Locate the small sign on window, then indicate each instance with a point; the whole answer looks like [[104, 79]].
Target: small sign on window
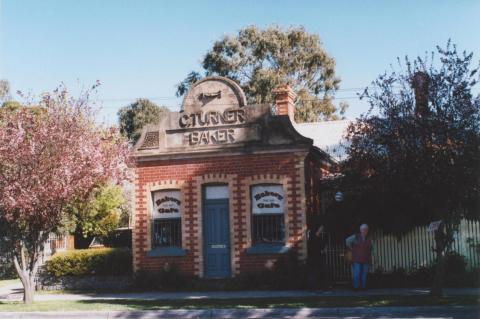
[[166, 204], [267, 199]]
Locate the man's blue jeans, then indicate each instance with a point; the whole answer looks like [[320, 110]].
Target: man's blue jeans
[[359, 275]]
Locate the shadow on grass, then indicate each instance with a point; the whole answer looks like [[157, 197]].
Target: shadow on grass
[[269, 305], [289, 302]]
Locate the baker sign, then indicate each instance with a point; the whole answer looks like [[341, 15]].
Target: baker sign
[[166, 204], [267, 199]]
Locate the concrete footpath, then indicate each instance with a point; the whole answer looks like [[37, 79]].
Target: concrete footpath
[[456, 312]]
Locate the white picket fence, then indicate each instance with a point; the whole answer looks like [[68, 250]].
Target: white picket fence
[[410, 252]]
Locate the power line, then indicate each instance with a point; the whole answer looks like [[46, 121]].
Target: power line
[[224, 104], [176, 97], [166, 98]]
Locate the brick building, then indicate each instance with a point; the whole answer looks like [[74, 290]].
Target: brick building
[[223, 187]]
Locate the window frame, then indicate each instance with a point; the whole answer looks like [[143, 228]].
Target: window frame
[[164, 250], [283, 224]]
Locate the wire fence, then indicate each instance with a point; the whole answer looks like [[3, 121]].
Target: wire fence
[[410, 252]]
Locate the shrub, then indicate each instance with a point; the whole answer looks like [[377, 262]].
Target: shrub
[[102, 262], [250, 281], [7, 269], [456, 275], [169, 278], [422, 277], [287, 273], [455, 264]]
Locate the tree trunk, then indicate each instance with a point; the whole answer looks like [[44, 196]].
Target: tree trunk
[[29, 291], [441, 240], [27, 278], [27, 271], [437, 285]]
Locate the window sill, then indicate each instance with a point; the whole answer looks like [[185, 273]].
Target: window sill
[[166, 251], [268, 250]]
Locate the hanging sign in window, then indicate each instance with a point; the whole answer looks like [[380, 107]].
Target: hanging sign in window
[[267, 199], [166, 204]]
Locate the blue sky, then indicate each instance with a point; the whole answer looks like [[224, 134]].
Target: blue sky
[[144, 48]]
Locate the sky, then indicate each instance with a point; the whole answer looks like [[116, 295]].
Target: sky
[[142, 49]]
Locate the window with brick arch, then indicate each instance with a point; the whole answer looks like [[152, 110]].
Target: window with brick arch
[[268, 216], [166, 219]]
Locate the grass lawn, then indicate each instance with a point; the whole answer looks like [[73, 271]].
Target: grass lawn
[[8, 282], [310, 302]]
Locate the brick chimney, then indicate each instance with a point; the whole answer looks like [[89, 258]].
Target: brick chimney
[[285, 101]]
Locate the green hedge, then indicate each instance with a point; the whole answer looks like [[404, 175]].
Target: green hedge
[[83, 262]]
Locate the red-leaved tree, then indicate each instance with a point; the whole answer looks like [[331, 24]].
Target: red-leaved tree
[[50, 155]]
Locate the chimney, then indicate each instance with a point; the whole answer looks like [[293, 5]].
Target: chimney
[[285, 101], [419, 83]]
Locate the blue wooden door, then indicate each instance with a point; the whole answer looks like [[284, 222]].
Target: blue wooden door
[[216, 238]]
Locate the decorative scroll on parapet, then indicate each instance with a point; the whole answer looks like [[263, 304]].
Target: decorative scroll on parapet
[[150, 141], [214, 117], [213, 94]]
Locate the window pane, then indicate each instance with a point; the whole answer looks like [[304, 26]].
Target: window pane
[[216, 192], [268, 229], [167, 233]]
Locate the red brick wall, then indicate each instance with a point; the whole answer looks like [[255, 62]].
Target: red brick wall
[[239, 168]]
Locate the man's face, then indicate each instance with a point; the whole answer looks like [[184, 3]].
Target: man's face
[[364, 231]]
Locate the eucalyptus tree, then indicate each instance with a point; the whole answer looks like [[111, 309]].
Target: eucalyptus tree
[[132, 118], [261, 59]]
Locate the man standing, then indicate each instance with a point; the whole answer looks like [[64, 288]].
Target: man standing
[[361, 246]]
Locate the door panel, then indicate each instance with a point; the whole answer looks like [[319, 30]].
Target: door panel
[[216, 237]]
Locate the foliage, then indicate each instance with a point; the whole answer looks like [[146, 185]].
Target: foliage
[[83, 262], [405, 169], [135, 116], [7, 269], [49, 159], [473, 244], [98, 216], [413, 163], [10, 106], [261, 59]]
